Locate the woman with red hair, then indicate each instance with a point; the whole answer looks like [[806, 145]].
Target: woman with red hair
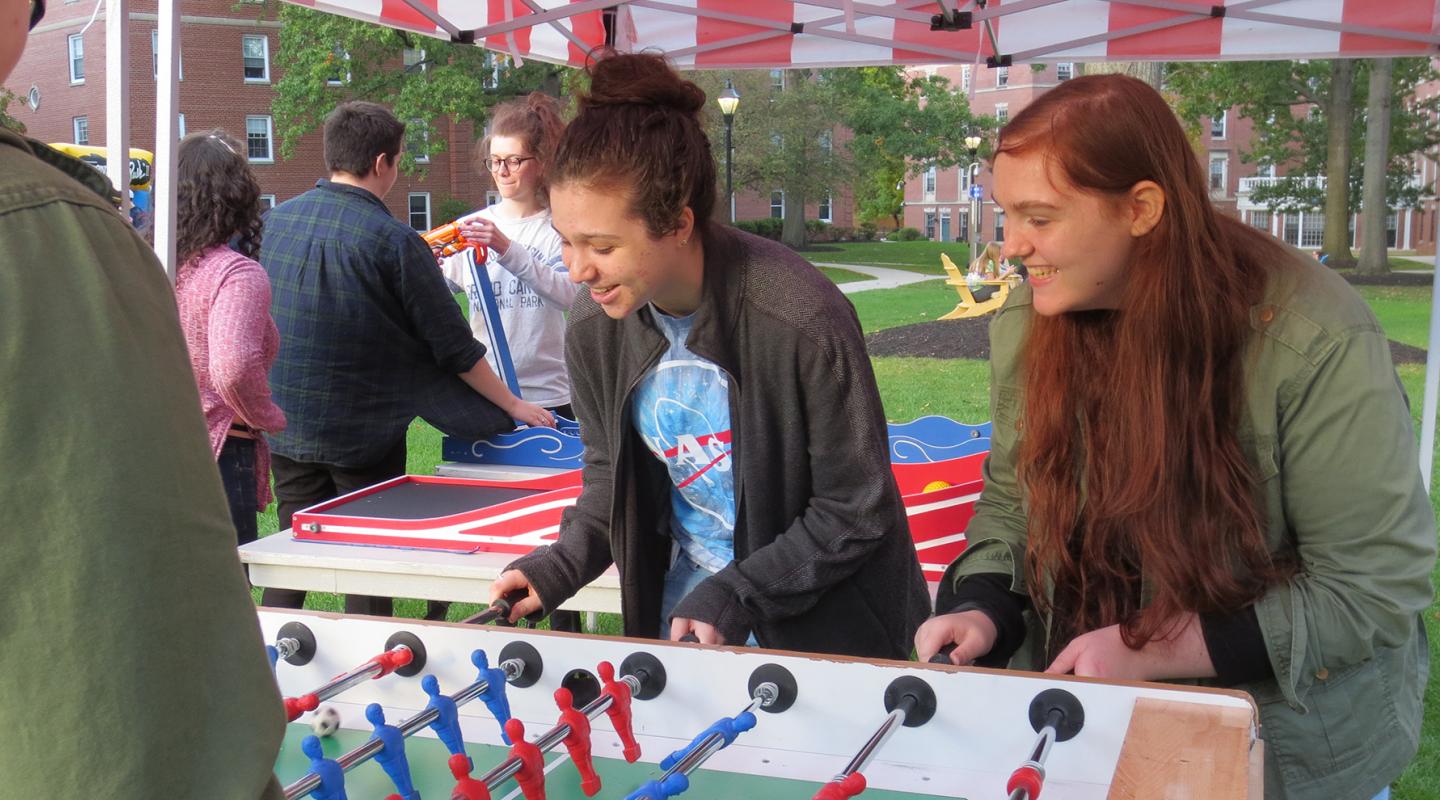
[[1203, 465]]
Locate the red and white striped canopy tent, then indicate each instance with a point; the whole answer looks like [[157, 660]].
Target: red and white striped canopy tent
[[739, 34]]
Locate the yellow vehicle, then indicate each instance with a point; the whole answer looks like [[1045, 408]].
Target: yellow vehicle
[[142, 167]]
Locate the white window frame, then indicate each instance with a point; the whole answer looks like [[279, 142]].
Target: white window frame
[[420, 61], [74, 42], [267, 202], [419, 125], [1002, 77], [269, 139], [1221, 123], [492, 197], [965, 78], [1265, 171], [825, 212], [777, 80], [1223, 159], [410, 209], [999, 227], [1065, 70], [180, 124], [827, 142], [155, 57], [76, 123], [964, 182], [264, 56], [1002, 113], [932, 178], [777, 205]]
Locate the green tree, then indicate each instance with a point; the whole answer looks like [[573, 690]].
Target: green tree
[[8, 120], [1291, 104], [326, 59]]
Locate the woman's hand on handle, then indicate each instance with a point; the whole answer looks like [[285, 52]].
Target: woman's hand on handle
[[511, 581], [972, 632]]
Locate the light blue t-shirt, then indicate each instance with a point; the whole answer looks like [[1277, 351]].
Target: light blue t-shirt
[[682, 410]]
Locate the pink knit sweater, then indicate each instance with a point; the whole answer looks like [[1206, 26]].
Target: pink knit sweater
[[224, 301]]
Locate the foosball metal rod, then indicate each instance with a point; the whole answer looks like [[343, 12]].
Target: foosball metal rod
[[354, 677], [893, 722], [765, 694], [366, 751], [1044, 741], [286, 647], [547, 741]]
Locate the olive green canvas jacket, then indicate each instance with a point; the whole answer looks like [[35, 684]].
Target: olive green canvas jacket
[[1329, 432], [131, 662]]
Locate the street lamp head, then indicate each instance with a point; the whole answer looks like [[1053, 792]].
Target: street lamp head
[[972, 143], [729, 100]]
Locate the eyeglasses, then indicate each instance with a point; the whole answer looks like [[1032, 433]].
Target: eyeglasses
[[513, 162], [37, 12]]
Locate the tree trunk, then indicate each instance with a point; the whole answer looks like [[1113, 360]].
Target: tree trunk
[[1373, 250], [1148, 71], [792, 233], [1338, 114]]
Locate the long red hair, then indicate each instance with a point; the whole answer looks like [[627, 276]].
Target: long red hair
[[1139, 408]]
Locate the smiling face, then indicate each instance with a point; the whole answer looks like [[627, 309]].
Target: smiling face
[[517, 184], [612, 252], [1076, 245]]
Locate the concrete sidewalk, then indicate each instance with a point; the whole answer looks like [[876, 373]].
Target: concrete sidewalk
[[880, 277]]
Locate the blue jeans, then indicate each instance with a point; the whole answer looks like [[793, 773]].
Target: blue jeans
[[237, 473], [683, 576]]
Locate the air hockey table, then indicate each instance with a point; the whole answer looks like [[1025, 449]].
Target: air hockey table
[[911, 730]]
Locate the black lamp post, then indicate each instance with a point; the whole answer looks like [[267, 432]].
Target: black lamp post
[[729, 100], [972, 143]]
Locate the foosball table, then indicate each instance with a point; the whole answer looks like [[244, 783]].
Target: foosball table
[[384, 708]]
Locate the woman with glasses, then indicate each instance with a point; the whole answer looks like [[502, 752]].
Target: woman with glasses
[[224, 300], [531, 285]]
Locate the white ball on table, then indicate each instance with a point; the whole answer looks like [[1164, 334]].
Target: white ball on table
[[325, 721]]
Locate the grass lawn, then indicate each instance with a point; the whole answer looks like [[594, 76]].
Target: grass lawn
[[922, 256], [914, 387], [837, 275]]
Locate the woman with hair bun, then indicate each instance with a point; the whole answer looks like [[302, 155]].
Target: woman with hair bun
[[224, 299], [736, 461], [1203, 465], [524, 268]]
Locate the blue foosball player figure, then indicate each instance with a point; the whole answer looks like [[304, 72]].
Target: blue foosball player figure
[[447, 716], [728, 728], [494, 694], [332, 777], [392, 752]]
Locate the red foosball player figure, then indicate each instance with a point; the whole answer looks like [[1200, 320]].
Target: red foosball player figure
[[847, 787], [619, 709], [578, 742], [466, 787], [531, 776]]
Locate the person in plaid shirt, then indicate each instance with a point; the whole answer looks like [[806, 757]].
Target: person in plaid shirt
[[371, 337]]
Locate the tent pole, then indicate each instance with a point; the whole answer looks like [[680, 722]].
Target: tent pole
[[167, 98], [1432, 387], [117, 98]]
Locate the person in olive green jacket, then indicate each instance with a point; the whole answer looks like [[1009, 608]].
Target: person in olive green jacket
[[1203, 465], [132, 663]]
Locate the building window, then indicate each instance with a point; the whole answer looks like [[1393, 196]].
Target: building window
[[257, 139], [1260, 219], [180, 124], [777, 79], [1391, 229], [827, 143], [77, 58], [1312, 229], [930, 176], [965, 78], [492, 197], [777, 204], [413, 60], [1065, 70], [491, 77], [417, 141], [1217, 126], [267, 202], [256, 51], [1002, 77], [999, 226], [823, 214], [1265, 171], [339, 56], [1002, 112], [1290, 229], [1219, 164], [944, 224], [420, 211], [155, 57], [82, 129], [930, 225], [964, 181]]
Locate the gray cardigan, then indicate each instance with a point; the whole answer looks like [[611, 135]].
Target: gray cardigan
[[823, 557]]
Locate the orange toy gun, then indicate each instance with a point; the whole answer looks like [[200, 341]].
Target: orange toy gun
[[448, 241]]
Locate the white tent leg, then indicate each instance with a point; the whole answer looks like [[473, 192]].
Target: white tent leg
[[1432, 386], [117, 98], [167, 98]]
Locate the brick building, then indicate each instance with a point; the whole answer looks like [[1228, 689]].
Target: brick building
[[227, 80]]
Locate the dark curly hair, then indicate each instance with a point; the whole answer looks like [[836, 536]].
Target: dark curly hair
[[639, 128], [218, 196]]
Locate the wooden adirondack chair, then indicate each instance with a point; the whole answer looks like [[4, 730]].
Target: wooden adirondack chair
[[990, 293]]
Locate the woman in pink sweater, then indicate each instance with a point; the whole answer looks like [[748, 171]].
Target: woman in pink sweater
[[224, 300]]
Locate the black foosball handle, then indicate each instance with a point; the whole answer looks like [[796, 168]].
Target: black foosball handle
[[499, 611], [943, 657]]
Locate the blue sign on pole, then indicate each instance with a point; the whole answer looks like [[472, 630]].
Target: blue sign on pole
[[976, 191]]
